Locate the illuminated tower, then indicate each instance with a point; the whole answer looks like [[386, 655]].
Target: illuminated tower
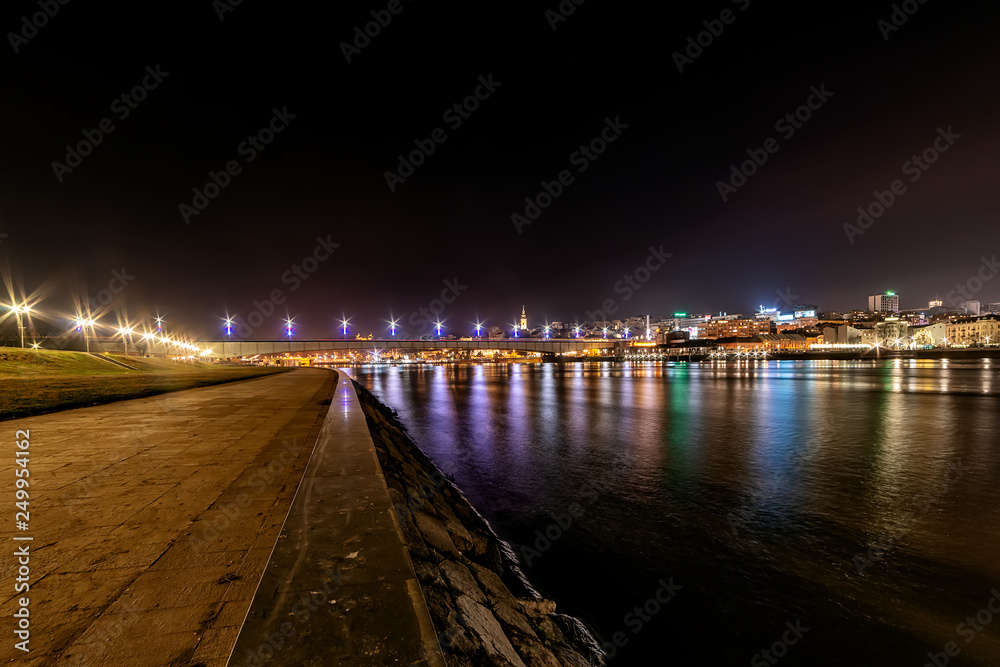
[[524, 319]]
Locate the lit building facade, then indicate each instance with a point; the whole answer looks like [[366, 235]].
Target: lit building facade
[[884, 303], [717, 328]]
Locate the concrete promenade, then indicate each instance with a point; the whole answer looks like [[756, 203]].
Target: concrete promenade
[[153, 519], [339, 588]]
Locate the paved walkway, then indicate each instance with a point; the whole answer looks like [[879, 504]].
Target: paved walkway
[[153, 519], [339, 588]]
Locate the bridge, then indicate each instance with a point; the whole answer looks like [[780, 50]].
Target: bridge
[[226, 349]]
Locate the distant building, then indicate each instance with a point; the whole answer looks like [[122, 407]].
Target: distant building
[[931, 334], [884, 303], [524, 320], [893, 332], [973, 331], [991, 309], [935, 304], [733, 328], [843, 334], [971, 307]]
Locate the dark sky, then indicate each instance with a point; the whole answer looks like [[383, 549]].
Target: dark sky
[[656, 184]]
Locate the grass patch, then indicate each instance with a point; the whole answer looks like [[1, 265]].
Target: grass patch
[[33, 383]]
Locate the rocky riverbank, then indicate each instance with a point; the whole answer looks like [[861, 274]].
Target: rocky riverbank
[[484, 610]]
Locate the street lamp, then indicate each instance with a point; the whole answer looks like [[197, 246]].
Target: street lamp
[[149, 336], [23, 309], [546, 329], [159, 324], [229, 328], [437, 326], [343, 325], [288, 329], [605, 332], [626, 332], [576, 330], [392, 326], [125, 331], [479, 329]]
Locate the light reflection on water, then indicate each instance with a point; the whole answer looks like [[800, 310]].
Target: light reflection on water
[[755, 485]]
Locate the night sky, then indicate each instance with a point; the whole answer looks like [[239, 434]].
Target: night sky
[[344, 124]]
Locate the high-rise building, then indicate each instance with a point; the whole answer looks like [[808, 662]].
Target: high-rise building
[[992, 309], [884, 303]]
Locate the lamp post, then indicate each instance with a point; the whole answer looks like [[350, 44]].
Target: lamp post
[[343, 325], [437, 326], [18, 311], [125, 331], [479, 329], [392, 327]]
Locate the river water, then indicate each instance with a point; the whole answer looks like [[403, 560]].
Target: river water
[[826, 512]]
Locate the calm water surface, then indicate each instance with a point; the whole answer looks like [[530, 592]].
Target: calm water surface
[[859, 500]]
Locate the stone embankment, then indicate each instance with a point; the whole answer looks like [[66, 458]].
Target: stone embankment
[[484, 611]]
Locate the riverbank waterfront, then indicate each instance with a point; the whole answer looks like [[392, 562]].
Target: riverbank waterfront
[[484, 611]]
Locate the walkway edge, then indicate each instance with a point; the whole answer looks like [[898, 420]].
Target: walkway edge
[[339, 586]]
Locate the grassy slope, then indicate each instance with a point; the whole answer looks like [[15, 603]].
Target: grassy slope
[[49, 381]]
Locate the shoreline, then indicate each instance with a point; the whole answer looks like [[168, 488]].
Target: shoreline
[[484, 609]]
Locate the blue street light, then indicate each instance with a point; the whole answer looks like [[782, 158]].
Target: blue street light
[[546, 330], [479, 328], [577, 330], [288, 328], [392, 326], [626, 332], [343, 325], [437, 325], [605, 332], [229, 327]]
